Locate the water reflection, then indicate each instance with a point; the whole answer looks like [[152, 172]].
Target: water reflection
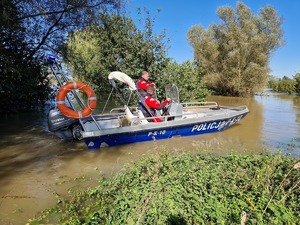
[[280, 119], [296, 103], [247, 133]]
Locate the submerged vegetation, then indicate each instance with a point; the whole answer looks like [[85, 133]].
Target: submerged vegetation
[[186, 188]]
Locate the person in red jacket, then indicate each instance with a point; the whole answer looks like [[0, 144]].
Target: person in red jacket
[[154, 104], [143, 83]]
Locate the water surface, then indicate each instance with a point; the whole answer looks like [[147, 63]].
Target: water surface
[[36, 167]]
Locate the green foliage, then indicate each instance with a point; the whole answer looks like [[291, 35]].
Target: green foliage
[[284, 85], [27, 30], [22, 85], [234, 55], [297, 84], [188, 79], [189, 189], [273, 83], [48, 22], [23, 88], [116, 44]]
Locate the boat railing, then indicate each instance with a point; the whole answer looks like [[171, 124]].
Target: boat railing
[[136, 120], [191, 110], [199, 104], [236, 108], [114, 110], [121, 109]]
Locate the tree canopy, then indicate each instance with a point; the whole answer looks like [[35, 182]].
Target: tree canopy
[[27, 30], [187, 77], [297, 84], [48, 22], [284, 84], [22, 86], [234, 55], [115, 44]]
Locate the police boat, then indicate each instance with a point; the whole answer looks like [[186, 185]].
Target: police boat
[[75, 118]]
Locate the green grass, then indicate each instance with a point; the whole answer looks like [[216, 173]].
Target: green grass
[[187, 188]]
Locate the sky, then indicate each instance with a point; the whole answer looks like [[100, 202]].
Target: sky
[[177, 17]]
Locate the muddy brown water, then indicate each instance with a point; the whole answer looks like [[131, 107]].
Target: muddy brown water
[[36, 167]]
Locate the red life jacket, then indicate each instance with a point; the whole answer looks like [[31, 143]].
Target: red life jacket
[[153, 104]]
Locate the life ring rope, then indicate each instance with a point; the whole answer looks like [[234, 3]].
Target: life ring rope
[[65, 110]]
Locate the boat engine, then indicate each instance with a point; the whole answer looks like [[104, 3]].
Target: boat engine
[[64, 127]]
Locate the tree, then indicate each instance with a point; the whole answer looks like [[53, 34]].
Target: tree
[[115, 44], [286, 85], [273, 83], [187, 77], [27, 30], [22, 85], [235, 55], [297, 84], [48, 22]]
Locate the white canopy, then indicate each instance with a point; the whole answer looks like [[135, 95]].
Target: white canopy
[[123, 78]]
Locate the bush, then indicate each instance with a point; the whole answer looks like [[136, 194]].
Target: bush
[[190, 189]]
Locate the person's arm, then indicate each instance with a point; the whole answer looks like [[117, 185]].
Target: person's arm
[[166, 102], [153, 103]]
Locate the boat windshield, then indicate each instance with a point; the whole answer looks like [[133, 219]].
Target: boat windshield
[[172, 92]]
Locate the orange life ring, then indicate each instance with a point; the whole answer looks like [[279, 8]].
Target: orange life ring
[[65, 110]]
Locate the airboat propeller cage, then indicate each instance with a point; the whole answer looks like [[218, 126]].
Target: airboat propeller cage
[[124, 78]]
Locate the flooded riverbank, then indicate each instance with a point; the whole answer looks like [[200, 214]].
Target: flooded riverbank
[[36, 167]]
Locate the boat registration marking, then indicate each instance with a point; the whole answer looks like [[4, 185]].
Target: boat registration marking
[[157, 132]]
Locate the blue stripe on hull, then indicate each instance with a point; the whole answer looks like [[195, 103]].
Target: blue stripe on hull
[[162, 133]]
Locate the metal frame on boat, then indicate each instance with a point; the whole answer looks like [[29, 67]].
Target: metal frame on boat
[[128, 124]]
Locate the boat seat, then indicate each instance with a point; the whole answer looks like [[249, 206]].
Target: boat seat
[[135, 119], [142, 117]]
